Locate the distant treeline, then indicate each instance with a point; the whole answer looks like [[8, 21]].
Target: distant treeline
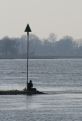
[[51, 47]]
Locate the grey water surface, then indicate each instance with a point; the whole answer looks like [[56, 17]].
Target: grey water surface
[[60, 78]]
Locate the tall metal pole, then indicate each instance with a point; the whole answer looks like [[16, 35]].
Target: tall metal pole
[[27, 30], [27, 55]]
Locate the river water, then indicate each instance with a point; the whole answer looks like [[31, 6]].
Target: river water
[[61, 79]]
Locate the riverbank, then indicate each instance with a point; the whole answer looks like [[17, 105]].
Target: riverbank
[[20, 92]]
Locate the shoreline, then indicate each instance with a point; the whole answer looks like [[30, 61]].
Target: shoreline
[[20, 92]]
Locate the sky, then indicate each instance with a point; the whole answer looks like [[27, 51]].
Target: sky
[[62, 17]]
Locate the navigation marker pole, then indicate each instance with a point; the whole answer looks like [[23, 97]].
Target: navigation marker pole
[[28, 29]]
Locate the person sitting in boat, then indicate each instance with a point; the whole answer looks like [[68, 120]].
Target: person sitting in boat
[[30, 85]]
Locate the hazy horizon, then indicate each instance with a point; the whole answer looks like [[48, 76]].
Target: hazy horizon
[[49, 16]]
